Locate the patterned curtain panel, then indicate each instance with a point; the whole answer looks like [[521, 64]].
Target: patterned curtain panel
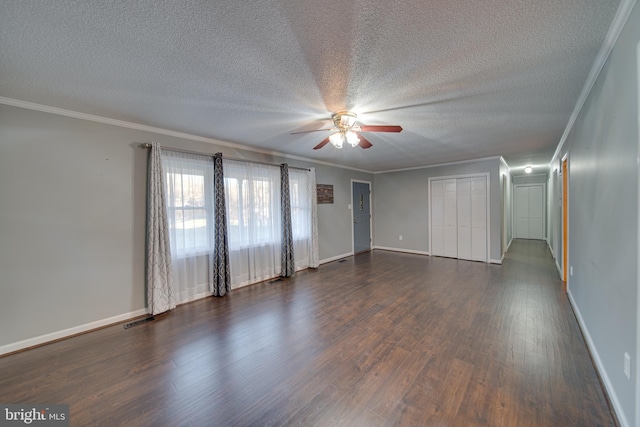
[[288, 267], [314, 253], [221, 277], [160, 290]]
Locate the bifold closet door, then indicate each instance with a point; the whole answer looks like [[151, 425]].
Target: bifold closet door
[[479, 218], [459, 218], [437, 218], [529, 211], [450, 219], [463, 193]]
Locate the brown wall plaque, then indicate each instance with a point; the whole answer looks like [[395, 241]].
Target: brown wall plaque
[[325, 193]]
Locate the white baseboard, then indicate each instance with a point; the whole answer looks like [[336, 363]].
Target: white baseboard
[[408, 251], [42, 339], [509, 245], [496, 261], [335, 258], [613, 397], [559, 268]]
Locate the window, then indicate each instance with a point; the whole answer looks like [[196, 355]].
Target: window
[[189, 185], [300, 204], [253, 204], [301, 193]]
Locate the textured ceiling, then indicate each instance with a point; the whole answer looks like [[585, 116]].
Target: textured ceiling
[[465, 79]]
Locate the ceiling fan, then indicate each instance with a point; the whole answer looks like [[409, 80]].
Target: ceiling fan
[[346, 130]]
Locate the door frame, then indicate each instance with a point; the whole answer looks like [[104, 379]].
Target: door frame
[[564, 167], [503, 240], [544, 201], [487, 175], [351, 211]]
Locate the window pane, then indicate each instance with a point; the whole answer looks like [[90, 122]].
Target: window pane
[[189, 189]]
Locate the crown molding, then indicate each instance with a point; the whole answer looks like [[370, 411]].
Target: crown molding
[[622, 15], [439, 165], [136, 126]]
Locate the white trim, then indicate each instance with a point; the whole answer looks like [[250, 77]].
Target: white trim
[[496, 261], [487, 175], [611, 392], [353, 247], [335, 258], [510, 242], [622, 14], [565, 250], [146, 128], [559, 269], [408, 251], [161, 131], [505, 163], [637, 364], [437, 165], [43, 339]]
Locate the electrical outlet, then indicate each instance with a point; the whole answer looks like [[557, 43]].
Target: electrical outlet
[[349, 207], [571, 271], [400, 237], [627, 365]]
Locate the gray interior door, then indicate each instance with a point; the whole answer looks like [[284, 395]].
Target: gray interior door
[[361, 217]]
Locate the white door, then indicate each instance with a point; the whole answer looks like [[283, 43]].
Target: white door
[[479, 218], [529, 210], [463, 193], [450, 217], [459, 218], [437, 218], [536, 212]]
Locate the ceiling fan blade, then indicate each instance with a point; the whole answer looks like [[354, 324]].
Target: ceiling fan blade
[[380, 128], [363, 142], [322, 144], [309, 131]]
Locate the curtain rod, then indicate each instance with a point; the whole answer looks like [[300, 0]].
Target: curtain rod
[[147, 145]]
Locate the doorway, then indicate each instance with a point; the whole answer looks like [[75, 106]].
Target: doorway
[[529, 211], [361, 210], [565, 218]]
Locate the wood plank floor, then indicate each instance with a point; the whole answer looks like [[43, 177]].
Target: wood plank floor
[[382, 339]]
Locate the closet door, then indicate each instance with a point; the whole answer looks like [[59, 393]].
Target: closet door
[[529, 210], [437, 218], [536, 212], [450, 219], [463, 193], [479, 218], [522, 212], [459, 218]]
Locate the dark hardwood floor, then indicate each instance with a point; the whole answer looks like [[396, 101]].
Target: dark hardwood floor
[[382, 339]]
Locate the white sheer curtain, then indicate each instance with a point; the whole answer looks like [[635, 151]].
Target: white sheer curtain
[[159, 277], [303, 217], [189, 189], [254, 223]]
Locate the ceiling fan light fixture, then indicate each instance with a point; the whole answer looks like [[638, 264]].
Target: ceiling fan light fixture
[[336, 139], [344, 120], [352, 138]]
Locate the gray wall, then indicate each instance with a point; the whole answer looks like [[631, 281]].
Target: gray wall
[[530, 179], [603, 219], [72, 219], [401, 205]]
